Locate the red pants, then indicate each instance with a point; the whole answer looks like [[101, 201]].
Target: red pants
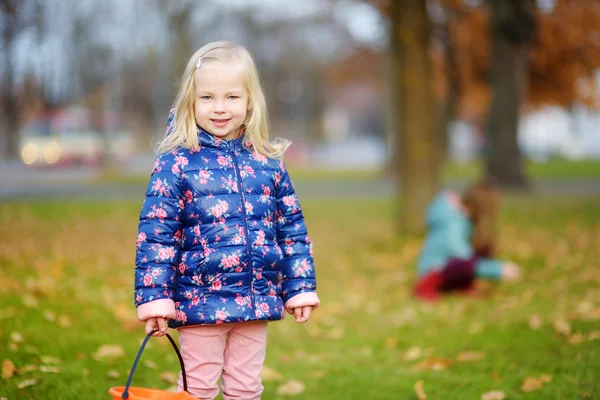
[[457, 275]]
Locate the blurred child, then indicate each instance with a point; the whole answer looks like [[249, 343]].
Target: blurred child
[[461, 243], [222, 245]]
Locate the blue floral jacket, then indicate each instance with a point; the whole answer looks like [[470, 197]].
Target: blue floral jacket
[[222, 234]]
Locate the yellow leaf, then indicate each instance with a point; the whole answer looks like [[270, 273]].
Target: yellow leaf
[[562, 327], [413, 353], [391, 343], [470, 356], [419, 390], [336, 333], [493, 395], [269, 374], [8, 369], [545, 378], [531, 384], [16, 337], [318, 374], [594, 335], [64, 321], [30, 302], [433, 364], [109, 351], [48, 368], [535, 321], [150, 364], [27, 368], [291, 388], [577, 338], [50, 360], [27, 383], [113, 374]]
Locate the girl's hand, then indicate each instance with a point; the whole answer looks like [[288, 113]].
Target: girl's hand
[[301, 305], [302, 314], [157, 324], [510, 272]]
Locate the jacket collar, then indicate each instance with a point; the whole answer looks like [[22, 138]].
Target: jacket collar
[[208, 140]]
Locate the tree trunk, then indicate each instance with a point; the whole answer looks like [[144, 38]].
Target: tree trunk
[[10, 127], [447, 108], [418, 149], [513, 27]]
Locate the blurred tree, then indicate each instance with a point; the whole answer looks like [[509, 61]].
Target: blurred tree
[[17, 17], [513, 26], [561, 64], [417, 148]]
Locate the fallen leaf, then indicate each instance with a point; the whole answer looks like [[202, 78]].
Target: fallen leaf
[[475, 328], [433, 364], [49, 316], [48, 368], [545, 378], [594, 335], [470, 356], [8, 369], [27, 383], [535, 321], [30, 301], [13, 346], [562, 327], [391, 343], [269, 374], [64, 321], [577, 338], [27, 368], [16, 337], [109, 351], [169, 377], [150, 364], [419, 390], [413, 353], [113, 374], [50, 360], [531, 384], [291, 388], [493, 395]]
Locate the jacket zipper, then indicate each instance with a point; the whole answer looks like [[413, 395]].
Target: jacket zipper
[[231, 147]]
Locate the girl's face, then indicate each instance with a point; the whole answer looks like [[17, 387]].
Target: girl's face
[[221, 101]]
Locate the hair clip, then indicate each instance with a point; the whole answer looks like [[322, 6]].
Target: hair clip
[[198, 63]]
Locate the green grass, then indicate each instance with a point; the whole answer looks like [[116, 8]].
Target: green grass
[[67, 272], [553, 169]]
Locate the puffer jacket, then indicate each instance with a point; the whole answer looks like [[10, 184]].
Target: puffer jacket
[[449, 237], [222, 235]]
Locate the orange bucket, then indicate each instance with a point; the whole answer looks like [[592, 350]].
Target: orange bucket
[[138, 393]]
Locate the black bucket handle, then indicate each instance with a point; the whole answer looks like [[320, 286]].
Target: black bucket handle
[[125, 394]]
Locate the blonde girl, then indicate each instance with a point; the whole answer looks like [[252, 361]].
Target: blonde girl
[[222, 246]]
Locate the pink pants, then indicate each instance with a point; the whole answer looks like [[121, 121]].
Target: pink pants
[[234, 351]]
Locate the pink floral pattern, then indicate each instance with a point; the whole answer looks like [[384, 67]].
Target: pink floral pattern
[[222, 234]]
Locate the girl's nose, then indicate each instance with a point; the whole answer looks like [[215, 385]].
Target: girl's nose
[[219, 106]]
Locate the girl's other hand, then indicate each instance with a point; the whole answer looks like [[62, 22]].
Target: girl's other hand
[[302, 314], [157, 324], [510, 271]]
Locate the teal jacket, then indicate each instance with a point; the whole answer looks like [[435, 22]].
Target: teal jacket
[[449, 234]]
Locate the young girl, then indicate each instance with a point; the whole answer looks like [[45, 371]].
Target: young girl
[[222, 245], [461, 243]]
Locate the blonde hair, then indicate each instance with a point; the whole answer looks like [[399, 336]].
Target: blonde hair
[[255, 126]]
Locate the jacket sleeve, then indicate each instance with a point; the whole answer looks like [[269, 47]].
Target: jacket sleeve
[[298, 264], [158, 241], [484, 268]]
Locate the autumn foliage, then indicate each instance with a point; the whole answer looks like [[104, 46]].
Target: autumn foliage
[[563, 61]]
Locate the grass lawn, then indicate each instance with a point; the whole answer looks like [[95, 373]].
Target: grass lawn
[[66, 293], [553, 169]]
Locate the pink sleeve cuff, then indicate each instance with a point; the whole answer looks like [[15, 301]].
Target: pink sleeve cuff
[[303, 299], [157, 308]]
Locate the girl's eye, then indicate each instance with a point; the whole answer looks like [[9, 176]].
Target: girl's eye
[[234, 97], [205, 97]]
